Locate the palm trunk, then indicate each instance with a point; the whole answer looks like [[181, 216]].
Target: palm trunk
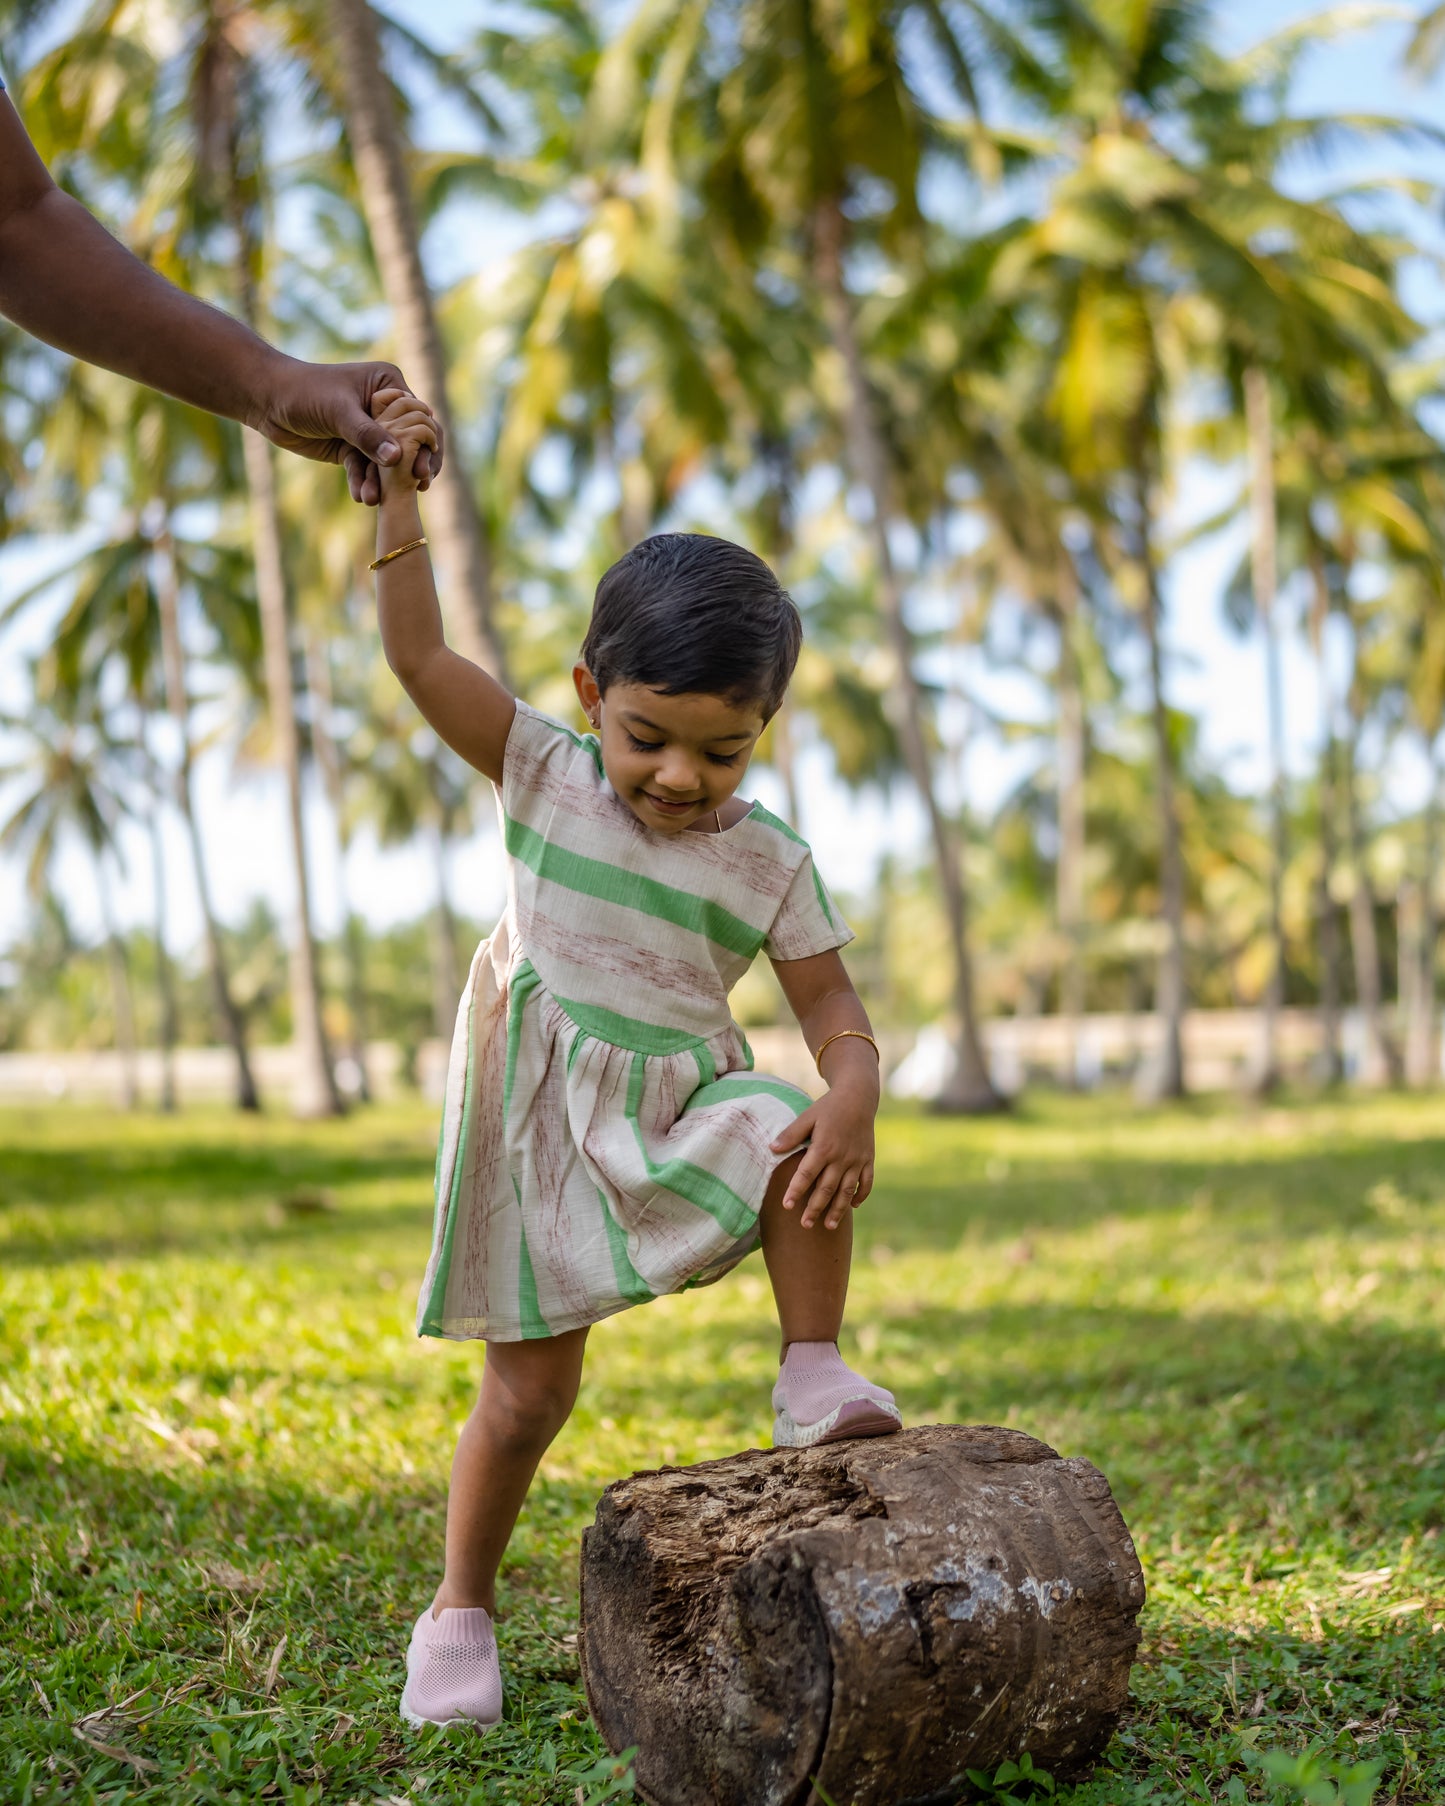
[[785, 762], [165, 977], [446, 978], [1331, 989], [1265, 568], [1069, 877], [328, 757], [315, 1086], [228, 1014], [1328, 915], [315, 1081], [1382, 1060], [971, 1088], [1169, 986], [1421, 1055], [122, 1006], [457, 530]]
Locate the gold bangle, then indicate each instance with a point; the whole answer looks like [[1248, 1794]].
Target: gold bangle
[[387, 557], [858, 1034]]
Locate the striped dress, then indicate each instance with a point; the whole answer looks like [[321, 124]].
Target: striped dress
[[605, 1138]]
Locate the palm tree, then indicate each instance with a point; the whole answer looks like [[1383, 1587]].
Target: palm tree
[[368, 102], [1168, 242], [805, 111], [218, 115], [126, 592], [72, 783], [226, 119]]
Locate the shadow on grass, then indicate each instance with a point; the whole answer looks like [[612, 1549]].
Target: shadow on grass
[[147, 1198]]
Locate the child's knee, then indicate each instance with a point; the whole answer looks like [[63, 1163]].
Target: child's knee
[[528, 1409]]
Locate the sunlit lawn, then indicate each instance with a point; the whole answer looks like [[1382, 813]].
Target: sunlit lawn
[[225, 1454]]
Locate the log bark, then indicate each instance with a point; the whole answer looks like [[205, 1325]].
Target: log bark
[[873, 1617]]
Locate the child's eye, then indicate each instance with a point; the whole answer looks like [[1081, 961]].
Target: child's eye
[[725, 758], [643, 745]]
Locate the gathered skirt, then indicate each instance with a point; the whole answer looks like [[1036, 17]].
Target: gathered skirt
[[579, 1172]]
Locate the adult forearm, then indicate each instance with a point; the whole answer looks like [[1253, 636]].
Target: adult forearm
[[67, 281]]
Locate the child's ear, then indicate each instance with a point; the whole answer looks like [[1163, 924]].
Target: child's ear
[[587, 692]]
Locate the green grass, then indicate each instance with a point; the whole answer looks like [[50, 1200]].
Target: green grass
[[223, 1454]]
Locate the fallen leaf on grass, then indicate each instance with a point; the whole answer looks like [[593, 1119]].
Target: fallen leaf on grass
[[233, 1579], [340, 1728], [273, 1667], [158, 1426], [141, 1764], [45, 1703]]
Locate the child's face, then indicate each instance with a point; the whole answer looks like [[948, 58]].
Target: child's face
[[672, 759]]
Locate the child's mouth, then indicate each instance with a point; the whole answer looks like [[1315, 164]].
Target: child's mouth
[[664, 807]]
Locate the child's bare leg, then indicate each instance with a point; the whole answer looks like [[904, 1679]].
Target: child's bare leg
[[808, 1268], [818, 1397], [528, 1390]]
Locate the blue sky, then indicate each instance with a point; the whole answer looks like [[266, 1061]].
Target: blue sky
[[1211, 673]]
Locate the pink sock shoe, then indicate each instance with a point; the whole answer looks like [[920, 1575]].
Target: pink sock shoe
[[819, 1398], [452, 1672]]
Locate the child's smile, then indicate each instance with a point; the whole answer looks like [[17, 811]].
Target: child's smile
[[672, 759]]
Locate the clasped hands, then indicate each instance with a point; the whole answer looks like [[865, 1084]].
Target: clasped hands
[[326, 412]]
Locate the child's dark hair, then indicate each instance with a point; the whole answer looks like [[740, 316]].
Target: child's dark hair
[[687, 614]]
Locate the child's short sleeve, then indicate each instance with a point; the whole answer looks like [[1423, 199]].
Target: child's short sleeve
[[542, 756], [808, 920]]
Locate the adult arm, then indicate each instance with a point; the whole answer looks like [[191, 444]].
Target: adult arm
[[67, 281]]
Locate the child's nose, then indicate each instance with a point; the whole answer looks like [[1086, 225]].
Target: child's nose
[[677, 772]]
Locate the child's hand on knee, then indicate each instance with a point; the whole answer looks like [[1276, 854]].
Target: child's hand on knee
[[835, 1175], [413, 426]]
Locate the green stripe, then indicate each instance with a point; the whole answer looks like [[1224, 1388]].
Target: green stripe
[[776, 822], [732, 1214], [625, 1031], [588, 743], [606, 883], [630, 1283], [524, 981], [431, 1322], [824, 902], [534, 1324], [706, 1066], [747, 1085], [579, 1041]]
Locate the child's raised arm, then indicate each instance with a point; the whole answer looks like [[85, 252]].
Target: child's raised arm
[[468, 709]]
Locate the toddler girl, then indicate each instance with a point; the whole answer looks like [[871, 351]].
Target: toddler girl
[[605, 1138]]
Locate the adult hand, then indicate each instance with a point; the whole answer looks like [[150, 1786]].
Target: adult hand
[[323, 411]]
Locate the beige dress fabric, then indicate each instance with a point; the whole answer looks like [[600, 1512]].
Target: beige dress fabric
[[605, 1138]]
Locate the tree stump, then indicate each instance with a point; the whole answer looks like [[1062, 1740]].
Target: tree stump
[[876, 1616]]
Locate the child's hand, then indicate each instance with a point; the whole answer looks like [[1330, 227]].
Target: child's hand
[[836, 1173], [413, 426]]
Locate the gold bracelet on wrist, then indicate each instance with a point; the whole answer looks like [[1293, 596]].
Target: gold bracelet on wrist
[[857, 1034], [386, 557]]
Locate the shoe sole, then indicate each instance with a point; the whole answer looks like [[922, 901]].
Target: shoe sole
[[854, 1418]]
